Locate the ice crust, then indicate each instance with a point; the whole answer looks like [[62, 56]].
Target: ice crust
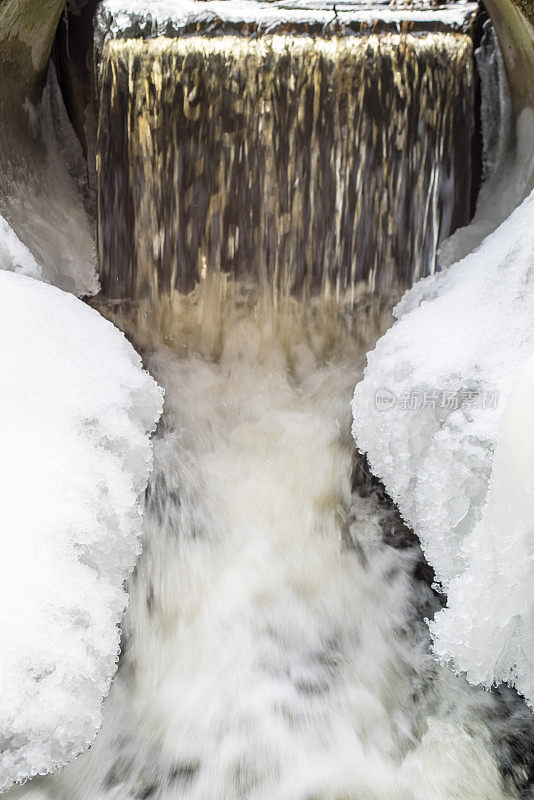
[[119, 17], [462, 336], [76, 410], [15, 256], [487, 629], [42, 206]]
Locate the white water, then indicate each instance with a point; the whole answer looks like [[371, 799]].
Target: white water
[[273, 647]]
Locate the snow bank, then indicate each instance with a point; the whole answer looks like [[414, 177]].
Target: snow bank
[[427, 414], [75, 411]]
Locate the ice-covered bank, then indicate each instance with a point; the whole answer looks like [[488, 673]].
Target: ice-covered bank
[[76, 409], [491, 606], [427, 415], [15, 256]]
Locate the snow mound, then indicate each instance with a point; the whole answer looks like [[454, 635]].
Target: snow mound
[[428, 410], [75, 459]]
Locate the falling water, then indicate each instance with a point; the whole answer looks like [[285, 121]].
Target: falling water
[[252, 194], [315, 165]]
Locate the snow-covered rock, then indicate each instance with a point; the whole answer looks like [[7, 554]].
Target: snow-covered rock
[[429, 406], [76, 409]]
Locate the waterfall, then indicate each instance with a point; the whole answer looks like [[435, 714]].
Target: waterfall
[[318, 166], [256, 200]]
